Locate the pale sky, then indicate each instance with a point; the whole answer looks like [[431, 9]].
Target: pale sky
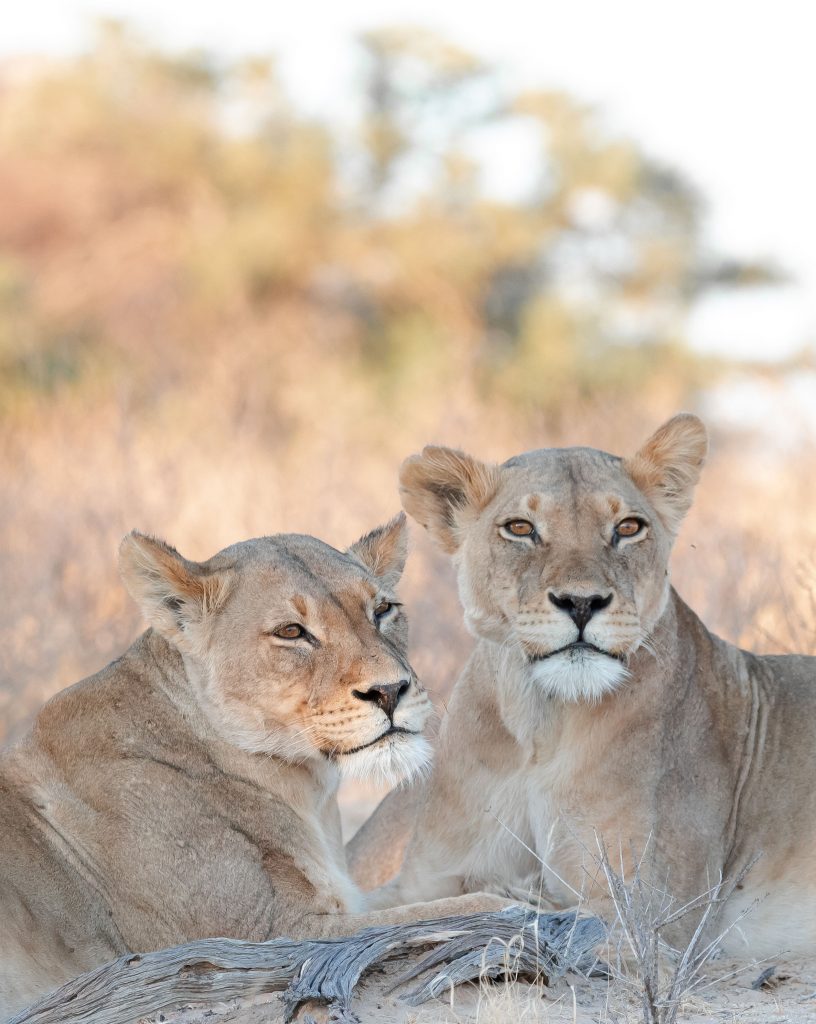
[[723, 89]]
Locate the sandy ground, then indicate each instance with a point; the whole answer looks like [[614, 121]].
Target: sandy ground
[[789, 998]]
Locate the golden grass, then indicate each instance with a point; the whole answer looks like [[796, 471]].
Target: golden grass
[[77, 479]]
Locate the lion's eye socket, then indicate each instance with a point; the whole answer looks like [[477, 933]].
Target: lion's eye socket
[[384, 609], [520, 528], [629, 527], [292, 631]]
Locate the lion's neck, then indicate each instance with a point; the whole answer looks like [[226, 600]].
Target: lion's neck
[[177, 683]]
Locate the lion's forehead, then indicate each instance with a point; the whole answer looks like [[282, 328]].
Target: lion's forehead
[[560, 462], [307, 561], [565, 479], [297, 577]]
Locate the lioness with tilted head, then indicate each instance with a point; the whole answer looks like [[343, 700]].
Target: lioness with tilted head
[[597, 703], [188, 789]]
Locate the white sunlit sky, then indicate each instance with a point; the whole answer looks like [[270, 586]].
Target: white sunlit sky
[[722, 89]]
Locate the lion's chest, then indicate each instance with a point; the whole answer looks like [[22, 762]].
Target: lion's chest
[[522, 820], [560, 812], [539, 824]]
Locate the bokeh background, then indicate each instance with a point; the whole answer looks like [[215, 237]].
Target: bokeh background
[[251, 257]]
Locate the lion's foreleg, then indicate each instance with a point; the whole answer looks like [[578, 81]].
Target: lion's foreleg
[[327, 926]]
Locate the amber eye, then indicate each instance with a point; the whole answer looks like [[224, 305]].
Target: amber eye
[[291, 631], [382, 609], [520, 528], [629, 527]]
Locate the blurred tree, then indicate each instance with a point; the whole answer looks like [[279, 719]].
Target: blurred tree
[[420, 93], [160, 208]]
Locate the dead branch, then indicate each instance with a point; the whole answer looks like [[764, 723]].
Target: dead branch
[[139, 986]]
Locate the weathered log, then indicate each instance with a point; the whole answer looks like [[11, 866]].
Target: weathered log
[[139, 986]]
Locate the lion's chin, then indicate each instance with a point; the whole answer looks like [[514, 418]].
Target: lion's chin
[[578, 674], [397, 757]]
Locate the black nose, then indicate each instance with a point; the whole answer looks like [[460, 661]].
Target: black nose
[[579, 608], [384, 695]]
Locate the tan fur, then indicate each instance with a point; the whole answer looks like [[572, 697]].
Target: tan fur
[[188, 789], [700, 757]]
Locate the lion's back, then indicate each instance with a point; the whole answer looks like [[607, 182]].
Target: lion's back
[[52, 926]]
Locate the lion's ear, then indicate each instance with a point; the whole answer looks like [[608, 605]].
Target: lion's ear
[[383, 551], [441, 488], [172, 592], [668, 466]]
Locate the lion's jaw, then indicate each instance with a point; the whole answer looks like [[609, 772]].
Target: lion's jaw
[[578, 674], [398, 756]]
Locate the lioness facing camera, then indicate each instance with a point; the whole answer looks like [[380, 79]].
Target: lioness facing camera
[[188, 789], [596, 701]]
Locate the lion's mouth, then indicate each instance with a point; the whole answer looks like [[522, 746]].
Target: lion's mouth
[[576, 646], [394, 730]]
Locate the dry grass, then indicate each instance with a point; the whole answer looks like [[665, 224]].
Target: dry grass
[[77, 480]]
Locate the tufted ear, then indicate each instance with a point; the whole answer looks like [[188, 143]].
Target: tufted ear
[[441, 487], [172, 592], [668, 466], [383, 551]]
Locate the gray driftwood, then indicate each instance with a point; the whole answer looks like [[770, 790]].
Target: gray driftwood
[[139, 986]]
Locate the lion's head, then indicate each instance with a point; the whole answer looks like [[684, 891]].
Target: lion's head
[[293, 648], [562, 554]]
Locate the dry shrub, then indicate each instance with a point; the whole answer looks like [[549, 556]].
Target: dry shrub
[[661, 978]]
